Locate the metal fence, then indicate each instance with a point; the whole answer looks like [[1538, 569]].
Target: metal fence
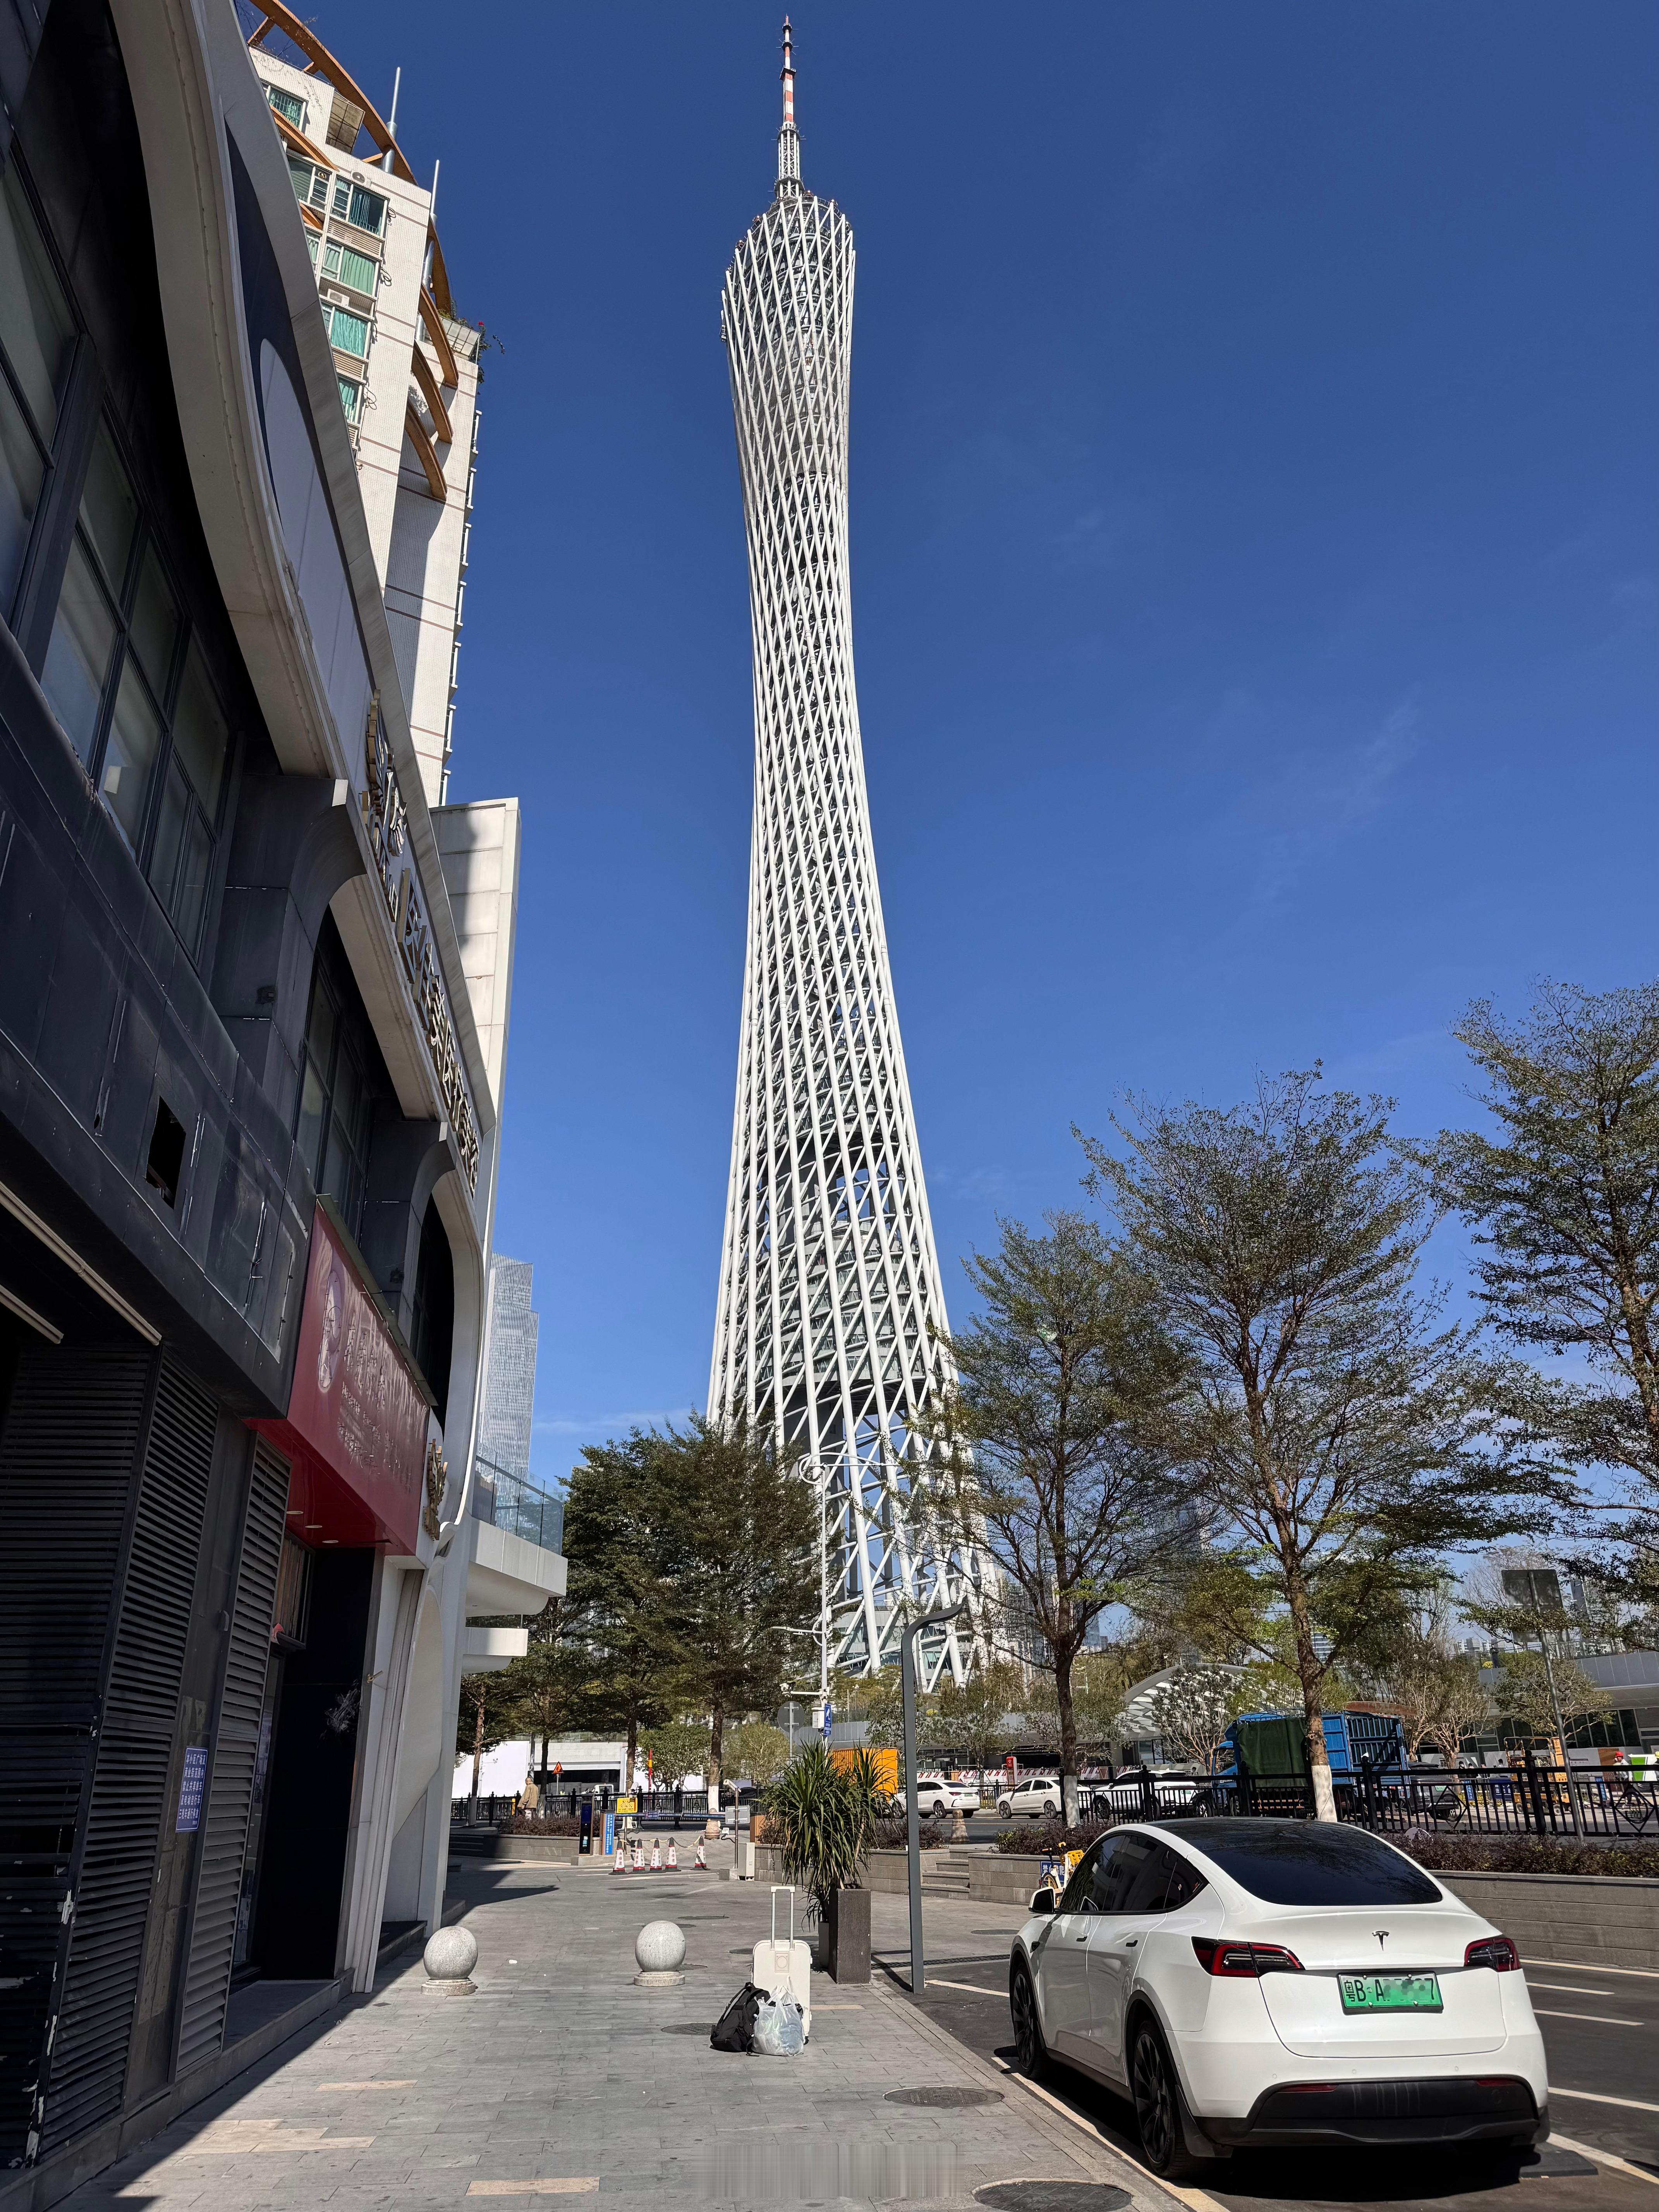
[[1528, 1797], [507, 1501]]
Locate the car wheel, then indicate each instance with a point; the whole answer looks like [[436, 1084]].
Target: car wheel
[[1004, 1810], [1160, 2108], [1031, 2051]]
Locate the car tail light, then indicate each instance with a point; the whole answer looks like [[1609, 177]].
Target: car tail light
[[1496, 1952], [1244, 1961]]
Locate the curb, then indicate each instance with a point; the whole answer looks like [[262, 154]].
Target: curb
[[1060, 2128]]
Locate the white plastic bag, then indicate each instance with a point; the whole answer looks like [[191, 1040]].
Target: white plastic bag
[[780, 2031]]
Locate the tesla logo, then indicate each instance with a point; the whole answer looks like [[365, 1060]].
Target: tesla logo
[[1382, 1936]]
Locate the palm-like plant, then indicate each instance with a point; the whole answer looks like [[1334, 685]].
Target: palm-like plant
[[823, 1818]]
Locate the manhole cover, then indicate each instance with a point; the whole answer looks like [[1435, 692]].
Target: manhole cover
[[1052, 2197], [944, 2099], [690, 2027]]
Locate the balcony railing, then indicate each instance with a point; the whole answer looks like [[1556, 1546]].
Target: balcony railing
[[507, 1501]]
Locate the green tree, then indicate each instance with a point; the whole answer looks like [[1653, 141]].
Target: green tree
[[736, 1538], [972, 1718], [484, 1718], [676, 1749], [549, 1693], [1563, 1195], [758, 1752], [1045, 1430], [1339, 1437], [618, 1607]]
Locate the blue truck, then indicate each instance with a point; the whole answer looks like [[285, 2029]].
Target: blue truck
[[1275, 1752]]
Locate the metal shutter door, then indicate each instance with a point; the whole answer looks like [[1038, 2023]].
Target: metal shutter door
[[67, 1460], [230, 1786], [107, 1940]]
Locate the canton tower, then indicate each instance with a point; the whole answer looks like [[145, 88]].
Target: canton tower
[[829, 1290]]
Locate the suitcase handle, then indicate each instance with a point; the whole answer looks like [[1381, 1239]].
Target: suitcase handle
[[781, 1889]]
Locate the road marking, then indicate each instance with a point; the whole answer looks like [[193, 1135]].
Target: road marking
[[1596, 2019], [1563, 1990], [1593, 2097], [1196, 2198], [1586, 1966], [410, 2084], [1605, 2157], [533, 2188], [938, 1982]]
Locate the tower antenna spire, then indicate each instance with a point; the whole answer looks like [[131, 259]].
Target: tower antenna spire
[[788, 137]]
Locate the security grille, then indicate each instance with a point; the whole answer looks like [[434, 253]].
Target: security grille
[[235, 1749], [93, 2027]]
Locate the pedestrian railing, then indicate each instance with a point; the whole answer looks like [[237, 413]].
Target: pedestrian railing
[[507, 1500], [1528, 1796]]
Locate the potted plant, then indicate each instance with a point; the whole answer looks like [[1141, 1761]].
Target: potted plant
[[821, 1818]]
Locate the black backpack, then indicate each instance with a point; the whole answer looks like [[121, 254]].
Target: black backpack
[[735, 2028]]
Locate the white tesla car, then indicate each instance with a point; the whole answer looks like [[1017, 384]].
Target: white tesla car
[[1278, 1982]]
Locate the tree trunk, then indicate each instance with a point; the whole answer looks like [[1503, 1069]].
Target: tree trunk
[[1067, 1735], [1311, 1676], [477, 1754], [633, 1748]]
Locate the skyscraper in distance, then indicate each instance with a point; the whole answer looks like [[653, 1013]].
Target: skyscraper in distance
[[829, 1286]]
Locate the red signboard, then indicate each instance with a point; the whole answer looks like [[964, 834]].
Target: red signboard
[[357, 1419]]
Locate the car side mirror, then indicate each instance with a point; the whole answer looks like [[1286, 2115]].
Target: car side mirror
[[1043, 1900]]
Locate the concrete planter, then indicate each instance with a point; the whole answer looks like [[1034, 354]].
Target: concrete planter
[[985, 1877], [847, 1935], [1574, 1919], [559, 1850]]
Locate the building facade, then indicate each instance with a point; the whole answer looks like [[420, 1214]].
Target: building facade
[[829, 1294], [509, 1398], [253, 1017]]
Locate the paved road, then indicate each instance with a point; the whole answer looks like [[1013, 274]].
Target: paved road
[[1607, 2043]]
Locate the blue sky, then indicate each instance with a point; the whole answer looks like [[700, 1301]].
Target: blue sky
[[1254, 568]]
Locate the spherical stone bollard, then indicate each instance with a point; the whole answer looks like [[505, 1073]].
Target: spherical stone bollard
[[659, 1947], [449, 1959]]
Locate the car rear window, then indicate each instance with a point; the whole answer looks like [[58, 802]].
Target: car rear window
[[1308, 1863]]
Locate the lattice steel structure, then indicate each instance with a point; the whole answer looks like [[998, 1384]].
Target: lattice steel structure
[[829, 1277]]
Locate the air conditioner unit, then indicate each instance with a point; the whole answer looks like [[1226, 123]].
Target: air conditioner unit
[[334, 292]]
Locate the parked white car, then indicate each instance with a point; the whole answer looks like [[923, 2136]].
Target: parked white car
[[1278, 1982], [1038, 1795], [936, 1796]]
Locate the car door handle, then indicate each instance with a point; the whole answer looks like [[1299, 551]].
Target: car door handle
[[1129, 1943]]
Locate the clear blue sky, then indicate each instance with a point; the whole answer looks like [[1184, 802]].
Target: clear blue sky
[[1255, 568]]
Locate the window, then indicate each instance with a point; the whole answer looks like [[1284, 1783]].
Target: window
[[348, 331], [338, 1082], [1311, 1862], [351, 267], [141, 712], [351, 397], [288, 105], [432, 1318], [37, 346], [363, 209], [310, 183]]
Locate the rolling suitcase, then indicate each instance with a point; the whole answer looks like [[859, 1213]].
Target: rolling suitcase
[[786, 1965]]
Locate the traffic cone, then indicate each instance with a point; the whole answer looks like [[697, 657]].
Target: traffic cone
[[656, 1856], [673, 1858], [700, 1864], [619, 1857], [639, 1857]]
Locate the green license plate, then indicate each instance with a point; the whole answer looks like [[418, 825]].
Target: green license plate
[[1390, 1993]]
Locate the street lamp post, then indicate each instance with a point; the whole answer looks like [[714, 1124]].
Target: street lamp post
[[912, 1818]]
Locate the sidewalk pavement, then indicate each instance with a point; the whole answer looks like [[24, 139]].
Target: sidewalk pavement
[[563, 2077]]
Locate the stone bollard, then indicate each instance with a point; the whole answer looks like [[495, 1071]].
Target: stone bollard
[[449, 1959], [659, 1947]]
